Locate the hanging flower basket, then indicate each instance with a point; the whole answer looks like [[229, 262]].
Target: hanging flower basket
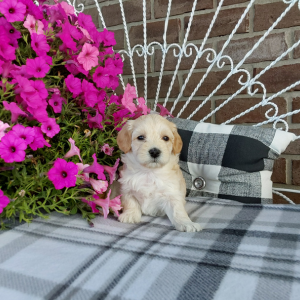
[[59, 114]]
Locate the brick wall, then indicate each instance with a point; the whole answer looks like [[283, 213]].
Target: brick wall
[[260, 17]]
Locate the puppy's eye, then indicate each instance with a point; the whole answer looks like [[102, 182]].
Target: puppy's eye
[[165, 138], [140, 137]]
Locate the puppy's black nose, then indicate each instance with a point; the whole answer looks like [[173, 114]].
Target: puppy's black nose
[[154, 152]]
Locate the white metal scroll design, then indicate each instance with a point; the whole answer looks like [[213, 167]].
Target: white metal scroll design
[[215, 60]]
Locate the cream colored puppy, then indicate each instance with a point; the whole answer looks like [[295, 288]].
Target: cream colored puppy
[[151, 180]]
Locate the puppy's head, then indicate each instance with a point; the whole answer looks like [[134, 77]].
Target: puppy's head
[[152, 139]]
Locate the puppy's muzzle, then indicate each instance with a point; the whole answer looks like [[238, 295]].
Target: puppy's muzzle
[[154, 152]]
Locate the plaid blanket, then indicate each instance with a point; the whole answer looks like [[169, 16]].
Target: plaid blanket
[[244, 252]]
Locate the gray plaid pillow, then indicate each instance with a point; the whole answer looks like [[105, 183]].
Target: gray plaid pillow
[[230, 161]]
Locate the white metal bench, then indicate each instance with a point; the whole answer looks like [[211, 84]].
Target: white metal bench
[[216, 60]]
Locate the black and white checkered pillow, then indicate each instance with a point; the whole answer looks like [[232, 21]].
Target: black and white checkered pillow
[[230, 161]]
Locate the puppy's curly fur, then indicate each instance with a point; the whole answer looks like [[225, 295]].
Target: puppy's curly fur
[[151, 180]]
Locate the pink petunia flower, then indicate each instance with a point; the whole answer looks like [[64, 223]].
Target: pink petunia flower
[[74, 85], [37, 67], [119, 116], [107, 150], [48, 59], [73, 151], [107, 38], [13, 10], [118, 62], [92, 204], [101, 77], [163, 111], [143, 106], [27, 134], [84, 176], [90, 98], [72, 30], [88, 86], [101, 95], [63, 174], [50, 127], [95, 36], [95, 122], [106, 51], [129, 95], [100, 186], [115, 204], [75, 68], [88, 57], [72, 68], [12, 148], [54, 90], [40, 88], [39, 44], [11, 32], [3, 127], [56, 103], [6, 50], [4, 200], [39, 113], [32, 92], [32, 9], [54, 14], [104, 203], [110, 66], [8, 68], [69, 10], [61, 10], [39, 141], [34, 26], [115, 99], [112, 171], [25, 89], [68, 41], [130, 92], [90, 93], [101, 105], [86, 21], [86, 36], [20, 71], [113, 82], [14, 109], [81, 166], [95, 168]]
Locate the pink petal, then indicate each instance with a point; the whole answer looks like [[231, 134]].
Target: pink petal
[[107, 150], [95, 168], [104, 203], [164, 111], [115, 204], [81, 166], [143, 106], [14, 109], [100, 186], [129, 95], [88, 57], [73, 151], [112, 171], [92, 205], [3, 127]]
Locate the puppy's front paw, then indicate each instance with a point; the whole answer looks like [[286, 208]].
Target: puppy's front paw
[[127, 217], [189, 227]]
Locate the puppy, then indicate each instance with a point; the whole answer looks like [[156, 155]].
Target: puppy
[[151, 180]]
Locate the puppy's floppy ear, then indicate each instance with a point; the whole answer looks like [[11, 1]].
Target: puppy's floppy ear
[[124, 137], [177, 145]]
